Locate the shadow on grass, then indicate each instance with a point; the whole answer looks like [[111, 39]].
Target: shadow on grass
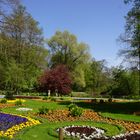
[[119, 108]]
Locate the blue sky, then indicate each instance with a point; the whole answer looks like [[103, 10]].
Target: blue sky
[[95, 22]]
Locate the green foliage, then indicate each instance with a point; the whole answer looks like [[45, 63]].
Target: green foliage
[[62, 98], [65, 49], [94, 100], [102, 101], [76, 111], [14, 77], [53, 99], [131, 36], [126, 82], [18, 103], [43, 110], [110, 100], [9, 95], [78, 78], [3, 101], [97, 77], [46, 98], [22, 55], [71, 106]]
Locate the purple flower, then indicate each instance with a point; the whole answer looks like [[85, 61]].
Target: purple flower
[[7, 121]]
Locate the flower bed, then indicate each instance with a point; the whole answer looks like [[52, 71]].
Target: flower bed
[[24, 109], [88, 115], [84, 132], [92, 133], [11, 124], [27, 97], [6, 105], [13, 101], [7, 121]]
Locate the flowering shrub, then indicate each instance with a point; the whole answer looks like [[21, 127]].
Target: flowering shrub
[[11, 124]]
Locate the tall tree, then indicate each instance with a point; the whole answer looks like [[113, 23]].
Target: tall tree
[[126, 82], [10, 5], [97, 77], [21, 42], [65, 49], [132, 33]]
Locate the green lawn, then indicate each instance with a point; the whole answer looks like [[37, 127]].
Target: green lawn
[[125, 117], [35, 105], [47, 131], [116, 110], [114, 107]]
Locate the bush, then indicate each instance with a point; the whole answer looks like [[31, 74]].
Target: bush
[[71, 106], [94, 100], [76, 111], [46, 98], [110, 100], [102, 101], [43, 110], [9, 95], [62, 98], [53, 99], [3, 101], [18, 103]]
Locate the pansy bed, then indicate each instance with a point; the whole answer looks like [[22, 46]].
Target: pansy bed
[[11, 124], [93, 133]]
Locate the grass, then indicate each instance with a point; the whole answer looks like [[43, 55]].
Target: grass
[[34, 105], [114, 107], [48, 130], [80, 94], [125, 117]]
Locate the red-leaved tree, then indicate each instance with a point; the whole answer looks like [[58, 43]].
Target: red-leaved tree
[[57, 79]]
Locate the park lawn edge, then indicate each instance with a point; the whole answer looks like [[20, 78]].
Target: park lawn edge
[[124, 117]]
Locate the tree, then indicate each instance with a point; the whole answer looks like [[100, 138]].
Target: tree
[[65, 49], [78, 76], [10, 5], [97, 77], [21, 42], [57, 80], [126, 82], [14, 77], [22, 30], [132, 33]]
